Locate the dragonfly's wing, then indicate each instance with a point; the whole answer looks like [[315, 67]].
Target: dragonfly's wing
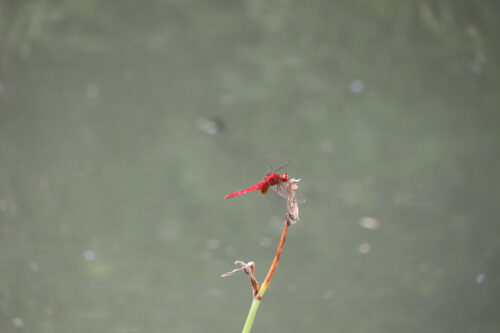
[[283, 165], [281, 191], [300, 198], [271, 170]]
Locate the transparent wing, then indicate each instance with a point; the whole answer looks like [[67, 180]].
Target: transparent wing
[[283, 165], [281, 191]]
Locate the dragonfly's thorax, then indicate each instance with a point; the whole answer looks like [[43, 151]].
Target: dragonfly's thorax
[[275, 179], [272, 179]]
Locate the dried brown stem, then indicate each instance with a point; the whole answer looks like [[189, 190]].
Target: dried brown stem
[[292, 216], [249, 269]]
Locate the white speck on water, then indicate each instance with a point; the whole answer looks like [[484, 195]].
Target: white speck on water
[[211, 127], [369, 223], [364, 248], [480, 278], [356, 86], [34, 266], [17, 322], [89, 255]]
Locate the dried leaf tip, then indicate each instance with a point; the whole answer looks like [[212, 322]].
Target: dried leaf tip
[[292, 214], [245, 267], [249, 269]]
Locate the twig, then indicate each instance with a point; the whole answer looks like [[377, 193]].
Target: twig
[[292, 216], [249, 269]]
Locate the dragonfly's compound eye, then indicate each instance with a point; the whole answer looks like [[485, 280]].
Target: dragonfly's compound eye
[[284, 177]]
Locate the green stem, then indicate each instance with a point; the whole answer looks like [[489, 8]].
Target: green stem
[[251, 316]]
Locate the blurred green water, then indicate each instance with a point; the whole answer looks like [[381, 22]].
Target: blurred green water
[[111, 178]]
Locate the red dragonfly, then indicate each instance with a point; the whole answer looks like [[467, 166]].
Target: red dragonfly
[[271, 179]]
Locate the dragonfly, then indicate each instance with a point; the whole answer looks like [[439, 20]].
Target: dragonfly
[[271, 179]]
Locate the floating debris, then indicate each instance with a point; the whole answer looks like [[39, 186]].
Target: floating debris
[[356, 86], [17, 322], [89, 255], [210, 126], [364, 248], [34, 266], [369, 223]]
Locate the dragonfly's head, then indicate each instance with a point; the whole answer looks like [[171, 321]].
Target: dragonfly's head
[[284, 177]]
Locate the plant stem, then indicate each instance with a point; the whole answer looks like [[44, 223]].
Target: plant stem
[[256, 300], [275, 263], [292, 216], [251, 316]]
